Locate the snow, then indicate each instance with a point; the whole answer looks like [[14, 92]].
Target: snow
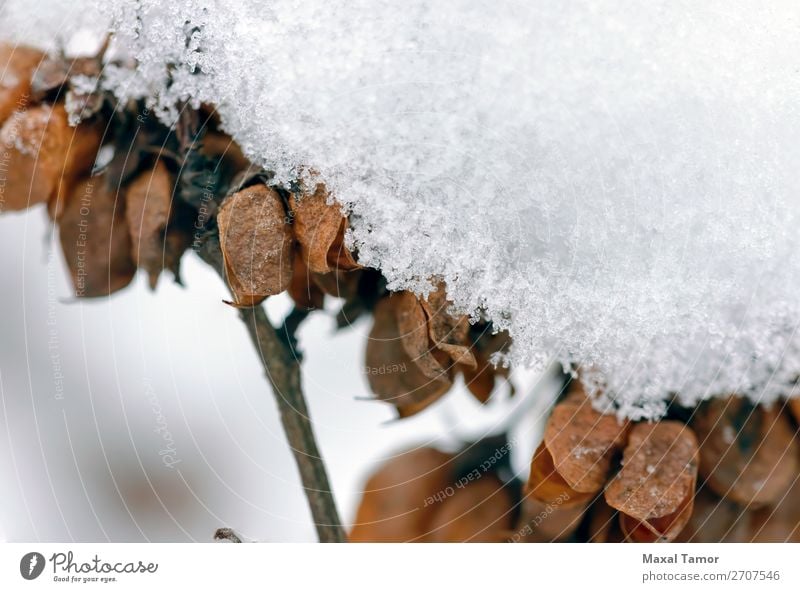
[[616, 186]]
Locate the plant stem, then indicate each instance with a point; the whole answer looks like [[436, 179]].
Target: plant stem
[[283, 371]]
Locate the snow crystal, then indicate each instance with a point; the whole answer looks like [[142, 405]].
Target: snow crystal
[[615, 185]]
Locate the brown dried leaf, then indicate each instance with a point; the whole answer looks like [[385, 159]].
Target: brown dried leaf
[[339, 283], [582, 442], [396, 505], [45, 156], [95, 240], [654, 490], [148, 208], [448, 332], [748, 452], [391, 373], [319, 228], [17, 65], [479, 512], [256, 244]]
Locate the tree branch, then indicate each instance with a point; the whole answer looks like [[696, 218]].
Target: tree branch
[[282, 368]]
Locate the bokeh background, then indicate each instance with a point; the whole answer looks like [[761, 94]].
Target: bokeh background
[[146, 416]]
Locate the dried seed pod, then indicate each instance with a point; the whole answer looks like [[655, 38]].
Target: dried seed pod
[[305, 292], [45, 156], [95, 240], [392, 374], [339, 283], [481, 378], [794, 408], [778, 523], [571, 465], [320, 227], [603, 524], [748, 453], [413, 326], [546, 522], [148, 209], [401, 497], [479, 512], [716, 520], [256, 244], [447, 332], [654, 490], [582, 442], [17, 65]]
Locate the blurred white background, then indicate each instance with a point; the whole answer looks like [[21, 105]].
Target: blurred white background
[[146, 416]]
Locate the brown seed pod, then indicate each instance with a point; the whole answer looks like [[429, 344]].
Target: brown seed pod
[[45, 157], [479, 512], [17, 65], [748, 453], [546, 522], [398, 504], [413, 327], [780, 522], [582, 442], [447, 332], [148, 209], [794, 408], [256, 244], [319, 228], [654, 490], [95, 240], [603, 523], [716, 520], [305, 292], [481, 378], [391, 372]]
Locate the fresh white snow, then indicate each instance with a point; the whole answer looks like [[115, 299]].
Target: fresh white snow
[[615, 183]]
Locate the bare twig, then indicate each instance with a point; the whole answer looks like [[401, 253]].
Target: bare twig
[[283, 371]]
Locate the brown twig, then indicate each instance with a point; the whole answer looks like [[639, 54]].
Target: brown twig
[[283, 371]]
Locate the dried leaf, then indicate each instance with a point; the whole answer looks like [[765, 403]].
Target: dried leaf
[[448, 333], [392, 374], [748, 452], [256, 244], [148, 208], [95, 240], [582, 442], [17, 64], [45, 157], [319, 228], [654, 490], [479, 512], [397, 504]]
